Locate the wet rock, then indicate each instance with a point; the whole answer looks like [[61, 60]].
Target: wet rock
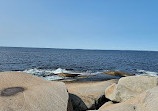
[[90, 78], [118, 73], [68, 75], [11, 91]]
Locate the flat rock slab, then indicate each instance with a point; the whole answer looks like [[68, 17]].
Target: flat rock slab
[[90, 78], [88, 95], [118, 73], [24, 92]]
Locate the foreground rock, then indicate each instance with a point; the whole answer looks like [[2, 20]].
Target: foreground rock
[[88, 95], [23, 92], [130, 87], [147, 101], [118, 73], [106, 105]]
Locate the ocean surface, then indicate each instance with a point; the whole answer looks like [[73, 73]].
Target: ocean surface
[[47, 62]]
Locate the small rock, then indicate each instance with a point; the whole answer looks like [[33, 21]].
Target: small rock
[[68, 75], [126, 107], [118, 73]]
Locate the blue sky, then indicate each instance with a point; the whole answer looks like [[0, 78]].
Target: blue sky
[[80, 24]]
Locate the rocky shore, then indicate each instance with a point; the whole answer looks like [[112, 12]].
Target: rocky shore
[[24, 92]]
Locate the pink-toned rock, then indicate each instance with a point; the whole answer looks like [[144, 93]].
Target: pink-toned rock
[[88, 95], [146, 101], [106, 105], [130, 87], [24, 92]]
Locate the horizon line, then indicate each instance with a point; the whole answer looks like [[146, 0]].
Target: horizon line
[[79, 48]]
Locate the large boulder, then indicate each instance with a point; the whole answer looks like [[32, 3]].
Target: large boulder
[[146, 101], [117, 73], [129, 87], [88, 95], [24, 92]]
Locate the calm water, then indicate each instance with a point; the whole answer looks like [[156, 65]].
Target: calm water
[[45, 61]]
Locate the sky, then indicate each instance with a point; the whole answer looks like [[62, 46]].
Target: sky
[[80, 24]]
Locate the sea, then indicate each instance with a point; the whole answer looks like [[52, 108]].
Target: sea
[[48, 62]]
